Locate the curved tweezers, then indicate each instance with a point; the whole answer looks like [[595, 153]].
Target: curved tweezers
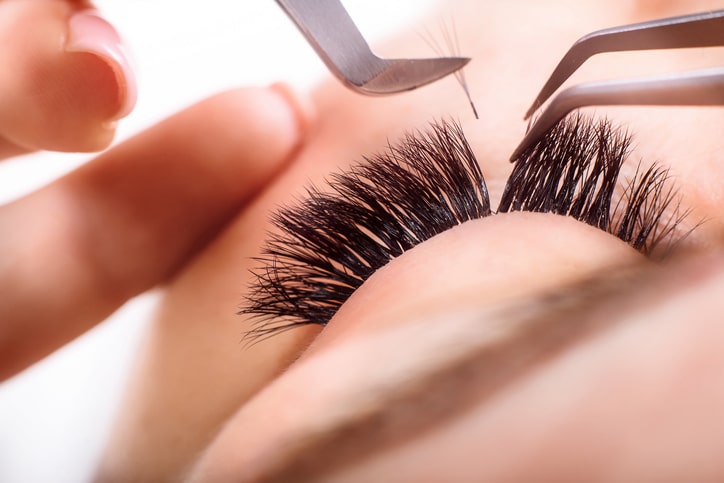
[[699, 88], [692, 88], [334, 36]]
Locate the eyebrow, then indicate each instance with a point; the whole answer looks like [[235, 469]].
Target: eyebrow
[[537, 330]]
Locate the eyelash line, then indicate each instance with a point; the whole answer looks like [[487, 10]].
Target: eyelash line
[[330, 243], [327, 245], [574, 170]]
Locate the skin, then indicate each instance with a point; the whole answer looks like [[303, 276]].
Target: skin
[[199, 403], [45, 99]]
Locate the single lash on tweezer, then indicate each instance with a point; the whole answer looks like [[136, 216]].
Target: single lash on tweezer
[[338, 42], [698, 88]]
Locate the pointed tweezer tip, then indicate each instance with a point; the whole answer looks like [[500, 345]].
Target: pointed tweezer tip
[[531, 110], [518, 152], [399, 75], [531, 137], [448, 65]]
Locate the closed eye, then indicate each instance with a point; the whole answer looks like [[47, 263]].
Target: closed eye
[[333, 240]]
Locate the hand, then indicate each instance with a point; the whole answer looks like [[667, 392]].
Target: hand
[[77, 249]]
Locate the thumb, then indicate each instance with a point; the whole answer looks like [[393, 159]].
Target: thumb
[[65, 78]]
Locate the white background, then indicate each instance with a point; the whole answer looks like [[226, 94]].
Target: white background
[[55, 416]]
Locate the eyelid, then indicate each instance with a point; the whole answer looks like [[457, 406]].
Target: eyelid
[[329, 244], [530, 253], [477, 351]]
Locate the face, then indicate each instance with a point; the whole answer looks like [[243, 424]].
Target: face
[[511, 346]]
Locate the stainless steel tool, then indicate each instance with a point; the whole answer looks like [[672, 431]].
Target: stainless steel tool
[[699, 88], [337, 40]]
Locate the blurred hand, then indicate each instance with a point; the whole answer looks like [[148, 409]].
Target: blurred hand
[[77, 249]]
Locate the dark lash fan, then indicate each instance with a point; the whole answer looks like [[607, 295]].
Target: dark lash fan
[[332, 242], [574, 169]]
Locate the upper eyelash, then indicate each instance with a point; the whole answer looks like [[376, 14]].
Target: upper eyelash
[[574, 169], [331, 242]]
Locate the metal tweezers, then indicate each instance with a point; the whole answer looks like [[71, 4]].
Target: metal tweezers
[[334, 36], [697, 88]]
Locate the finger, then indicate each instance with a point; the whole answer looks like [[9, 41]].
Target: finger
[[64, 82], [77, 249]]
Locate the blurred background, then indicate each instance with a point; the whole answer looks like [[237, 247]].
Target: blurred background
[[54, 417]]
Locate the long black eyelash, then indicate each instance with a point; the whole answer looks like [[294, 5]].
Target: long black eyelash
[[574, 169], [330, 243]]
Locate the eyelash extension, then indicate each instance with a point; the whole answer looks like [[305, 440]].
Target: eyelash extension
[[327, 245], [330, 243], [574, 170], [450, 37]]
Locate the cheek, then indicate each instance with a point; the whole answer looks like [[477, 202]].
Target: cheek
[[499, 258]]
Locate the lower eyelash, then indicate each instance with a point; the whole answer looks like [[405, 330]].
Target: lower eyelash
[[331, 242]]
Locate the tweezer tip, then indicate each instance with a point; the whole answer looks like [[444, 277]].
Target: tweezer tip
[[449, 65], [401, 75], [526, 143], [531, 110], [517, 153]]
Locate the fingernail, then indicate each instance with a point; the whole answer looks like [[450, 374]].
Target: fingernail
[[89, 32]]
